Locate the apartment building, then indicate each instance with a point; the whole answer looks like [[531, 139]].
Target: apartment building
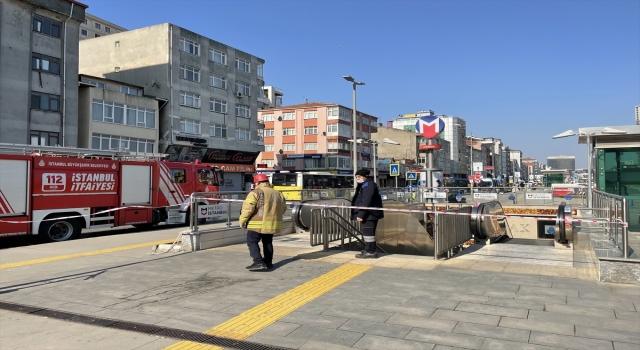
[[95, 27], [516, 160], [213, 91], [315, 136], [562, 162], [115, 116], [39, 71]]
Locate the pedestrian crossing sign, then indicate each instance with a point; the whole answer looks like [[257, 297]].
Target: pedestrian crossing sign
[[411, 176], [394, 169]]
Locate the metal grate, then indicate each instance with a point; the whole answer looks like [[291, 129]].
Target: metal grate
[[139, 328]]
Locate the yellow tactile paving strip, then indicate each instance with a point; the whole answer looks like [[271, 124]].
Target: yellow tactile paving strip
[[252, 321], [80, 255], [189, 345]]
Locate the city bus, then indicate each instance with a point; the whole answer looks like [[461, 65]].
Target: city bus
[[321, 185], [459, 183]]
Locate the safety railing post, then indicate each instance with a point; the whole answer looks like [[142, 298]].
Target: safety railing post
[[229, 214], [191, 216], [194, 213], [625, 229], [325, 233]]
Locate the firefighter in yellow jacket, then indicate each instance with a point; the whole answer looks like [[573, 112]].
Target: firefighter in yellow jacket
[[261, 215]]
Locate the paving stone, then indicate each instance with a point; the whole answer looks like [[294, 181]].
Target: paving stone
[[545, 299], [435, 303], [422, 322], [569, 342], [382, 329], [580, 310], [276, 340], [375, 342], [304, 318], [608, 334], [358, 313], [549, 291], [445, 347], [499, 344], [624, 346], [582, 320], [627, 315], [517, 303], [492, 310], [316, 345], [470, 317], [325, 335], [445, 338], [315, 307], [533, 325], [280, 328], [407, 310], [518, 335], [602, 304]]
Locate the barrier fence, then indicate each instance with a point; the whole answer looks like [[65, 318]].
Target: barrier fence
[[615, 210]]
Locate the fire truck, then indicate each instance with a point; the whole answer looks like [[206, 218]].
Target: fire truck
[[55, 192]]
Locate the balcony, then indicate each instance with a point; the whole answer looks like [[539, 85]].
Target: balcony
[[264, 100]]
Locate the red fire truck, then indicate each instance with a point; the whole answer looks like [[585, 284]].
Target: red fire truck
[[55, 192]]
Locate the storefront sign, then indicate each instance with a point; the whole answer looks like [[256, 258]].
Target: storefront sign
[[427, 147], [226, 156]]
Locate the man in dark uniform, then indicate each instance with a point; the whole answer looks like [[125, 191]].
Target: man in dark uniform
[[367, 195]]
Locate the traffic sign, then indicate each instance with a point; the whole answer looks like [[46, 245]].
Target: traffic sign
[[477, 181], [512, 197], [411, 176], [394, 169], [459, 196], [470, 178], [478, 176], [568, 197], [429, 126]]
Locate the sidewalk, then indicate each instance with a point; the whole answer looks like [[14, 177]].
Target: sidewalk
[[490, 297]]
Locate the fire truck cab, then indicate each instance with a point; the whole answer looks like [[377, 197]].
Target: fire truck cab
[[56, 192]]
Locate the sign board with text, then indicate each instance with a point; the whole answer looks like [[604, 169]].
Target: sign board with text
[[485, 196], [539, 195], [428, 195], [213, 211]]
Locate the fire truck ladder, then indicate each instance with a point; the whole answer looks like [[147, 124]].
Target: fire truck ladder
[[53, 151]]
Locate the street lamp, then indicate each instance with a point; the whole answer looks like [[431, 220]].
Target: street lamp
[[605, 130], [355, 135]]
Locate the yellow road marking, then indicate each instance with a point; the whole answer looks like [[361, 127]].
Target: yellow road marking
[[254, 320], [189, 345], [79, 255]]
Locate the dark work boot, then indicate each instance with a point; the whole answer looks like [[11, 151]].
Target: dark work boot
[[366, 255], [257, 266]]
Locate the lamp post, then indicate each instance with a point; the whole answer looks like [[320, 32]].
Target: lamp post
[[588, 134], [355, 136]]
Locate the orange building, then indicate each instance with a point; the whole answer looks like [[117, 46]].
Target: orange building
[[314, 136]]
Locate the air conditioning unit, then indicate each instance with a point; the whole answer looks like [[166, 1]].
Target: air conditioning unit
[[239, 94]]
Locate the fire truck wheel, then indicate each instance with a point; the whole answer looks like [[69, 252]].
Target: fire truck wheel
[[60, 230]]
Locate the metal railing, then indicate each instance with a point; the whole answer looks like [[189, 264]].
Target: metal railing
[[616, 210], [451, 231]]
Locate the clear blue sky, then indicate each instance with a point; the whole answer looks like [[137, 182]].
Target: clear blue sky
[[521, 71]]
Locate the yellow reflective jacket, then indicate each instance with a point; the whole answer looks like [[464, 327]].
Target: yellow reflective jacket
[[263, 209]]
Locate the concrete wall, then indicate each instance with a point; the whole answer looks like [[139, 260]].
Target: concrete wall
[[17, 42]]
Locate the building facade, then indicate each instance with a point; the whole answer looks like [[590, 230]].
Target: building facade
[[114, 120], [562, 162], [213, 92], [39, 71], [516, 161], [314, 136], [95, 27]]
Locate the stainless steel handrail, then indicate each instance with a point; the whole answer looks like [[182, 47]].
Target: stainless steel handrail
[[618, 217]]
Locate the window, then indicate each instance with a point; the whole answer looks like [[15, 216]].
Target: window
[[269, 148], [44, 138], [339, 162], [311, 115], [216, 130], [107, 29], [289, 147], [45, 63], [269, 132], [243, 88], [243, 134], [178, 176], [311, 130], [374, 122], [345, 114], [116, 113], [243, 111], [129, 90], [289, 163], [243, 65], [312, 163], [85, 22], [268, 162], [288, 116], [332, 129], [84, 32], [189, 73], [98, 26], [45, 102], [337, 146], [218, 56], [332, 112], [218, 106], [112, 142], [96, 84], [259, 70], [288, 131], [218, 81], [267, 117], [189, 126], [46, 26], [190, 100], [189, 46], [309, 146]]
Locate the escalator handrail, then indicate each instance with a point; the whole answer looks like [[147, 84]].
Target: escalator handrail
[[351, 230]]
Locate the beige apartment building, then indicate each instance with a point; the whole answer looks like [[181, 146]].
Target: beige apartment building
[[314, 136], [95, 27], [116, 116]]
